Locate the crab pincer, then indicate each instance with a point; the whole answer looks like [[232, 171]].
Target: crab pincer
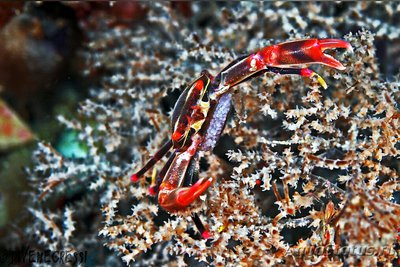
[[173, 199], [303, 52], [285, 58]]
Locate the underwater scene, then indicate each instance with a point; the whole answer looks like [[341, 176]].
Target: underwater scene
[[205, 133]]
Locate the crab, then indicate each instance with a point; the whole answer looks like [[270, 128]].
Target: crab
[[201, 111]]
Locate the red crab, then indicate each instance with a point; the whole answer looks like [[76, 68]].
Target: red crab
[[200, 113]]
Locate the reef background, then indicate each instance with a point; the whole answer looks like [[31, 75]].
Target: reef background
[[327, 160]]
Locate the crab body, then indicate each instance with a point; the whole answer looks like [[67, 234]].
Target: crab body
[[191, 110], [200, 113]]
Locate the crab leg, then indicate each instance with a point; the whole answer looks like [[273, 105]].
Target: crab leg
[[200, 226], [153, 160], [294, 55], [173, 196], [305, 72]]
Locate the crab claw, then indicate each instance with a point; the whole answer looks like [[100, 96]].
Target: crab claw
[[303, 52], [328, 60], [173, 199]]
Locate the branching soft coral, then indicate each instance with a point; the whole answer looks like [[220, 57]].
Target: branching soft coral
[[306, 167]]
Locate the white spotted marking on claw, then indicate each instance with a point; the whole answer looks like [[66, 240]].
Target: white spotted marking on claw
[[253, 65]]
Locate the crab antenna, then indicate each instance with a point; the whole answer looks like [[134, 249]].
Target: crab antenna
[[153, 160]]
